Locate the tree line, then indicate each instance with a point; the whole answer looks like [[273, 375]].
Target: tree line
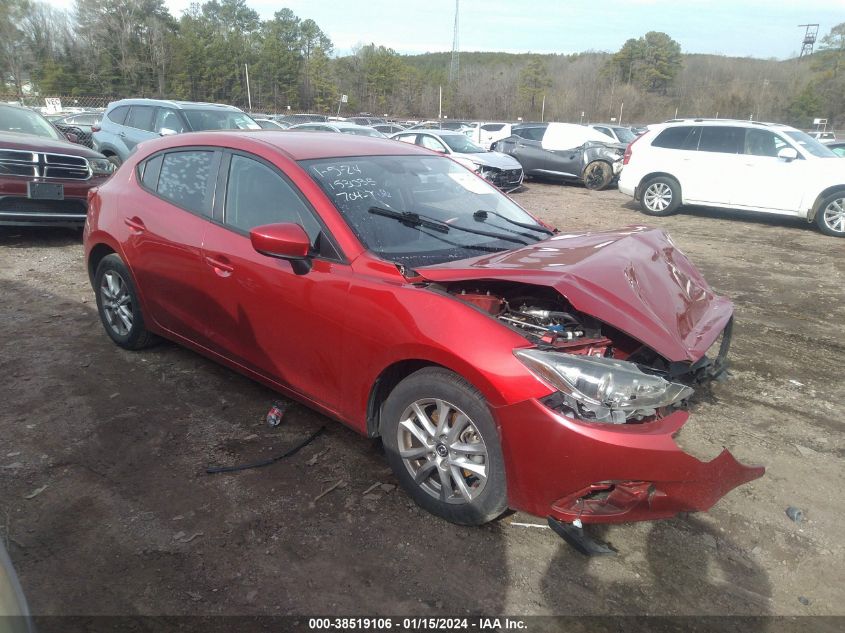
[[122, 48]]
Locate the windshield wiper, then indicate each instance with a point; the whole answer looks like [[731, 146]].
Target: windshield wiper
[[409, 218], [481, 215]]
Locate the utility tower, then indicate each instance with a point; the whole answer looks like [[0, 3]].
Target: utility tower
[[810, 32], [456, 61]]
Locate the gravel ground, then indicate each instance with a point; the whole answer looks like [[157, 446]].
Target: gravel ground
[[106, 509]]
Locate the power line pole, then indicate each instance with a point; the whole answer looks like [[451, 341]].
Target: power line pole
[[810, 33], [456, 62]]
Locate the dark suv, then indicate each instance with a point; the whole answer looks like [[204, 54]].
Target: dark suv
[[44, 179]]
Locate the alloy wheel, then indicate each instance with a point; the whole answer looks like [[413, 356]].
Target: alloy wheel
[[834, 215], [443, 451], [657, 197], [116, 303]]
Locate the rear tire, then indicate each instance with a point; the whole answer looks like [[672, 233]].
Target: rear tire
[[118, 305], [442, 444], [598, 175], [831, 216], [661, 196]]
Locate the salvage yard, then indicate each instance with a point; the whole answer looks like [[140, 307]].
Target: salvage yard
[[106, 508]]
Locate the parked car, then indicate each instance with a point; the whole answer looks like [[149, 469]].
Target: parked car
[[388, 128], [503, 171], [44, 178], [458, 126], [746, 165], [131, 121], [485, 134], [823, 137], [270, 124], [502, 364], [14, 611], [565, 151], [295, 119], [618, 133], [369, 121], [837, 147], [79, 124], [343, 127]]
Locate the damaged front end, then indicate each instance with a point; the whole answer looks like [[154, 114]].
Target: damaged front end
[[601, 447]]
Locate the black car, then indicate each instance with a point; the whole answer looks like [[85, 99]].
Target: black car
[[564, 151], [80, 124]]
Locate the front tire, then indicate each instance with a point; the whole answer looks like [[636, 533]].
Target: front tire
[[831, 216], [443, 446], [597, 175], [118, 305], [661, 196]]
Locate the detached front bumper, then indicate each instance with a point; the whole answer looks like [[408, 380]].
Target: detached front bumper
[[601, 473]]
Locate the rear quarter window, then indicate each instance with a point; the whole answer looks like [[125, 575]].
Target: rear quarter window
[[681, 137], [187, 180], [118, 115]]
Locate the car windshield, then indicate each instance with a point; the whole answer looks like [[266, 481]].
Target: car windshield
[[362, 131], [445, 207], [219, 120], [810, 144], [624, 134], [461, 144], [27, 122]]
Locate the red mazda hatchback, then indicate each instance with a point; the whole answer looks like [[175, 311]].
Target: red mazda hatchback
[[503, 363]]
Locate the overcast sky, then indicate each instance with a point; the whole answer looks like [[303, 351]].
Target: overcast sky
[[758, 28]]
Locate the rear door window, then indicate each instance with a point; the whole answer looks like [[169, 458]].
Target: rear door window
[[187, 179], [429, 142], [140, 117], [118, 115], [531, 133], [722, 139]]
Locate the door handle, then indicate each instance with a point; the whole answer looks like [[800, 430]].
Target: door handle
[[122, 134], [220, 265], [135, 224]]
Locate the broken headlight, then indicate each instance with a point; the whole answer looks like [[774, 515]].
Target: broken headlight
[[601, 389]]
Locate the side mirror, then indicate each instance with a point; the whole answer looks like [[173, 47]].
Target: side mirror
[[283, 241], [166, 131], [788, 154]]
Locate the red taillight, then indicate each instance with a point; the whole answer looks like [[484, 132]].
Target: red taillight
[[626, 157], [95, 128]]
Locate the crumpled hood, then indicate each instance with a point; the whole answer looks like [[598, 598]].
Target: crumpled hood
[[633, 279], [491, 159]]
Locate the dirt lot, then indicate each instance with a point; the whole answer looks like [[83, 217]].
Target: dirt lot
[[127, 522]]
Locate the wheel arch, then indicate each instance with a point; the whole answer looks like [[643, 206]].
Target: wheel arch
[[817, 205], [98, 253], [657, 174], [395, 373]]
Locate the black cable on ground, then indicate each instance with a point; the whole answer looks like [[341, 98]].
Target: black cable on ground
[[213, 470]]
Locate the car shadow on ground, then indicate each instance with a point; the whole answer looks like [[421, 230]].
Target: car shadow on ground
[[687, 568], [736, 215], [29, 236]]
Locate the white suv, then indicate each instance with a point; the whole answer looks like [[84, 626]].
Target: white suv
[[738, 164]]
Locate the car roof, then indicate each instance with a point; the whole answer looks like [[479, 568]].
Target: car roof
[[436, 132], [297, 145], [178, 105], [723, 122]]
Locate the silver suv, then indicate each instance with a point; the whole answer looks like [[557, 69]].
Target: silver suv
[[130, 121]]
